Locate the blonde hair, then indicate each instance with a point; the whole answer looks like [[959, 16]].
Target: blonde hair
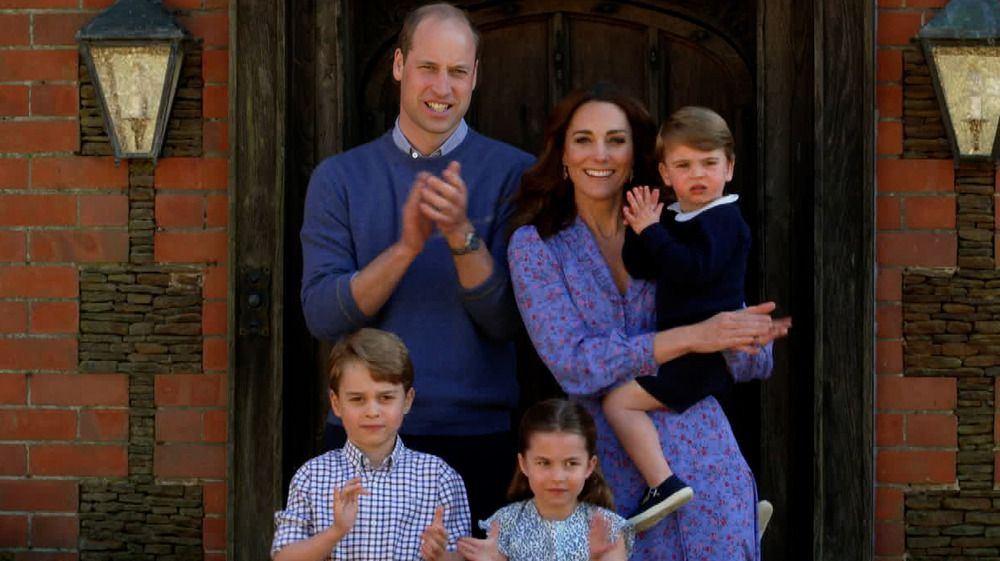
[[561, 415], [697, 127], [382, 353]]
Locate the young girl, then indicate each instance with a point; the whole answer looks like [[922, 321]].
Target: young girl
[[562, 507]]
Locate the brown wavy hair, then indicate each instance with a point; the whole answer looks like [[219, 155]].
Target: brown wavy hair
[[561, 415], [545, 199], [384, 355]]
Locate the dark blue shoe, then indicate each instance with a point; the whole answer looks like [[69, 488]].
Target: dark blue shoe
[[660, 501]]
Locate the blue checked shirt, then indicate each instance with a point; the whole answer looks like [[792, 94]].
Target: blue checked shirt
[[405, 491]]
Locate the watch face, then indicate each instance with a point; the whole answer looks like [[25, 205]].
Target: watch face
[[471, 241]]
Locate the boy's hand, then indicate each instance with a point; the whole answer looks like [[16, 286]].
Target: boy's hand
[[345, 504], [643, 208], [434, 538], [483, 550]]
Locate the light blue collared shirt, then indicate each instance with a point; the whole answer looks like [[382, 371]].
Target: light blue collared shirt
[[456, 138]]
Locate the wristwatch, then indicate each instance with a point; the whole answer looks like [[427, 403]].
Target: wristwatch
[[471, 244]]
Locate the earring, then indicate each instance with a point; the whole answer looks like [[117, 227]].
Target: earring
[[565, 172], [631, 175]]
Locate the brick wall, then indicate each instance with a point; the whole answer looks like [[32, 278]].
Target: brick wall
[[100, 419], [937, 344]]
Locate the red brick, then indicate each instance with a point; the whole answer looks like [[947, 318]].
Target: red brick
[[39, 495], [890, 101], [79, 389], [897, 28], [216, 282], [13, 317], [213, 28], [37, 424], [214, 498], [54, 317], [88, 460], [39, 136], [890, 139], [890, 538], [13, 530], [996, 466], [192, 173], [184, 4], [215, 355], [889, 65], [76, 172], [215, 66], [104, 424], [178, 211], [13, 246], [213, 318], [215, 555], [911, 176], [926, 3], [79, 246], [215, 102], [214, 534], [896, 393], [15, 29], [186, 461], [13, 99], [190, 247], [889, 357], [37, 210], [215, 137], [888, 429], [13, 459], [214, 426], [178, 425], [890, 3], [917, 249], [915, 466], [13, 173], [888, 213], [931, 431], [37, 353], [55, 101], [217, 211], [38, 4], [60, 28], [13, 389], [56, 532], [889, 320], [889, 286], [191, 390], [888, 503], [932, 213], [216, 4], [38, 65], [42, 555], [97, 4], [19, 281], [103, 210]]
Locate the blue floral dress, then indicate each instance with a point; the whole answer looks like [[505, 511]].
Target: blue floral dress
[[593, 339], [526, 536]]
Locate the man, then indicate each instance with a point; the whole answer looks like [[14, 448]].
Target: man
[[408, 234]]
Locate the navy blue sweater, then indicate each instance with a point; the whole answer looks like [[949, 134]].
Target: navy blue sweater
[[460, 340]]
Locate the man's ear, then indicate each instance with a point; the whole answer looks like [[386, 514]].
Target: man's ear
[[408, 400], [335, 404], [475, 75], [397, 65]]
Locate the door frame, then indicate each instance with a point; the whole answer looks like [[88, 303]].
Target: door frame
[[815, 173]]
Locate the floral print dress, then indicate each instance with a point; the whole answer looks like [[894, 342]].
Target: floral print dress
[[593, 339]]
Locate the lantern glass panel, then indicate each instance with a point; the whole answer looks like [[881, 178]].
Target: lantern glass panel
[[970, 82], [132, 79]]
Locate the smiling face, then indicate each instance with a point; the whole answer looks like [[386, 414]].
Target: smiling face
[[436, 81], [598, 153], [556, 465], [371, 411], [697, 177]]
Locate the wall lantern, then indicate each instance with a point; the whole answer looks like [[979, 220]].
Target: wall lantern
[[962, 50], [134, 52]]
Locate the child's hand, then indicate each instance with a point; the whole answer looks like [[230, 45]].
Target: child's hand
[[345, 504], [600, 548], [434, 538], [483, 550], [643, 208]]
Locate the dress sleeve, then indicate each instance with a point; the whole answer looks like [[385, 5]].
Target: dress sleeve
[[744, 367], [505, 518], [451, 494], [584, 359]]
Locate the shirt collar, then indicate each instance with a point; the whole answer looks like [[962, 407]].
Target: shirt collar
[[685, 216], [360, 462], [456, 138]]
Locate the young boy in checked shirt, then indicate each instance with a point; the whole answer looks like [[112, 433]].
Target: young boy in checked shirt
[[373, 499]]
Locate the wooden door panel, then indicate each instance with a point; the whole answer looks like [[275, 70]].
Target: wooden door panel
[[609, 50]]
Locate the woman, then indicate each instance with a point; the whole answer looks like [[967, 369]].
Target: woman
[[593, 325]]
